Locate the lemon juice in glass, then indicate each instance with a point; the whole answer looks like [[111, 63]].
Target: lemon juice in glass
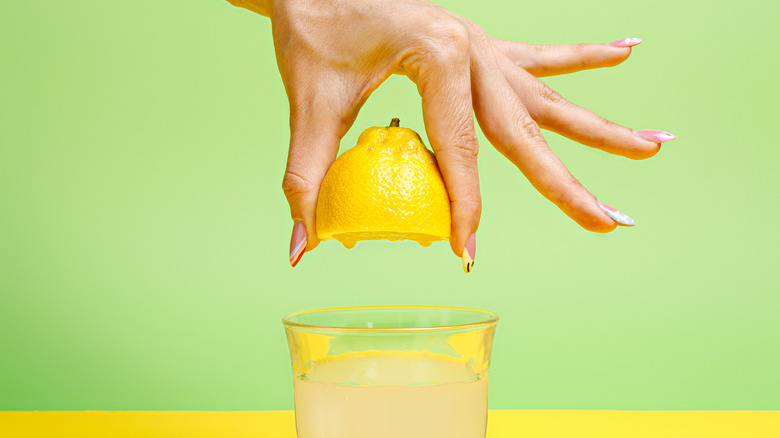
[[391, 372]]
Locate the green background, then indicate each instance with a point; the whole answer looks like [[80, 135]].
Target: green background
[[144, 233]]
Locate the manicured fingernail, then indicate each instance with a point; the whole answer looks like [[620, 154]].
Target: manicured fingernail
[[625, 42], [297, 243], [468, 253], [655, 135], [617, 215]]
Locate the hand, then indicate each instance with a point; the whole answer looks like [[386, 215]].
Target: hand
[[332, 54]]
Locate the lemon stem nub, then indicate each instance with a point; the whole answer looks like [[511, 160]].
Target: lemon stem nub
[[396, 122]]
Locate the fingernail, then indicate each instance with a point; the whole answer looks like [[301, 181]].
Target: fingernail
[[468, 253], [297, 243], [625, 42], [617, 215], [655, 135]]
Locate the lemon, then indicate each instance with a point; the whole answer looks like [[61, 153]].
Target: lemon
[[388, 186]]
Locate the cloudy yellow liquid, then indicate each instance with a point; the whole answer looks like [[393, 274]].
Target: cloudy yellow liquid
[[388, 396]]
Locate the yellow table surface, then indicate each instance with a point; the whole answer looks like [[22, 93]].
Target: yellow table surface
[[501, 424]]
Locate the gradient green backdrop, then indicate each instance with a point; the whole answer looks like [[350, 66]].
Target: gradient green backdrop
[[144, 233]]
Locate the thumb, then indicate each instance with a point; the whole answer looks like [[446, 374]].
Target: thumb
[[314, 143]]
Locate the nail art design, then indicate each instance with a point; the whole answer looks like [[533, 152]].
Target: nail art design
[[655, 135], [617, 215], [468, 253], [625, 42], [297, 243]]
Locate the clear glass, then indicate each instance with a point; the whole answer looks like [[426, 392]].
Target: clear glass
[[391, 372]]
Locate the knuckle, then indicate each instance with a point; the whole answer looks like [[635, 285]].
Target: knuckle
[[446, 41], [463, 145], [476, 31], [294, 184], [548, 100], [462, 156], [451, 33], [549, 103], [526, 126], [552, 97], [538, 57], [514, 135], [541, 50]]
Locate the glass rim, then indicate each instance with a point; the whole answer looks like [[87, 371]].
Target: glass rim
[[492, 318]]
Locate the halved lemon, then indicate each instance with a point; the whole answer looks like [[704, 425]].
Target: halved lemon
[[388, 186]]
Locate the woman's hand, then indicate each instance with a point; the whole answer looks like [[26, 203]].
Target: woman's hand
[[332, 54]]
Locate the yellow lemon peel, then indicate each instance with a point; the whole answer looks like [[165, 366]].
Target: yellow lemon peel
[[388, 186]]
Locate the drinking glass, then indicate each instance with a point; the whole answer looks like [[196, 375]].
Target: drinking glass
[[391, 371]]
